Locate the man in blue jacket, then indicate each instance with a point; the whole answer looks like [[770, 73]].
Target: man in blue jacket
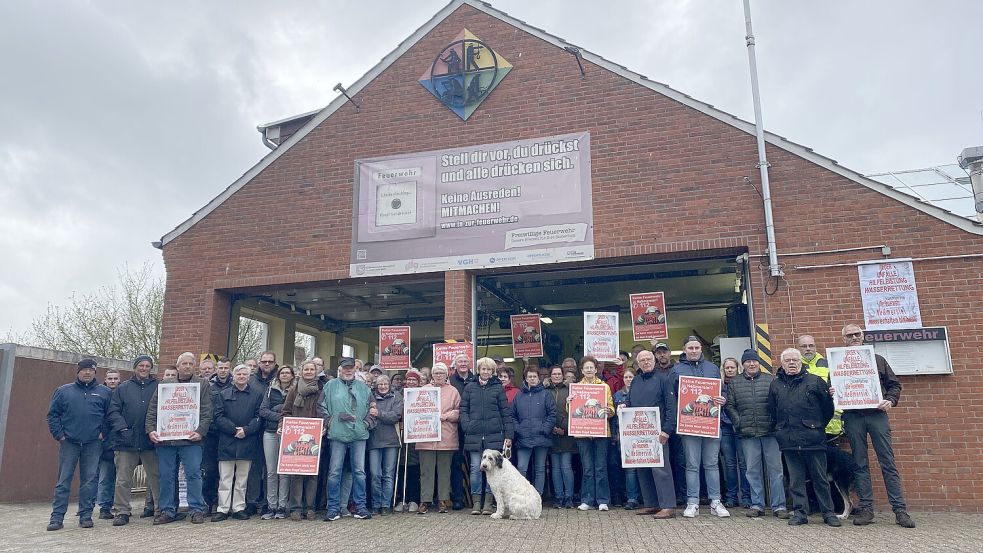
[[651, 389], [77, 420]]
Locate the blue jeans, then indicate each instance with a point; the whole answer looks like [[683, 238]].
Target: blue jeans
[[632, 490], [167, 460], [523, 454], [107, 484], [735, 469], [356, 454], [86, 456], [561, 467], [706, 451], [594, 460], [476, 474], [382, 465], [756, 449]]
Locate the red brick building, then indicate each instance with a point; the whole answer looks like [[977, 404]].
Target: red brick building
[[672, 210]]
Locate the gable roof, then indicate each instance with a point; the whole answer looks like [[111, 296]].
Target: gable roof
[[707, 109]]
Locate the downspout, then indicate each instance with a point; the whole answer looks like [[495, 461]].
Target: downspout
[[971, 160], [773, 267]]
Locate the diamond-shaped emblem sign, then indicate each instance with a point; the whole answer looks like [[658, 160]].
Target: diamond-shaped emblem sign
[[464, 73]]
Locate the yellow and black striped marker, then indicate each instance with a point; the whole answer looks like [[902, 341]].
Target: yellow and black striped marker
[[762, 344]]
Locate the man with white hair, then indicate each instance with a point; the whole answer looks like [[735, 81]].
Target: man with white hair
[[800, 406], [188, 451], [860, 423]]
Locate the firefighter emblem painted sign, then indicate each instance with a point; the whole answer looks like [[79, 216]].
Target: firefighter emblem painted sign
[[464, 73]]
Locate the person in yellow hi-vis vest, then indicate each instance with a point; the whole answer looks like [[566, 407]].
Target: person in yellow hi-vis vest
[[814, 363]]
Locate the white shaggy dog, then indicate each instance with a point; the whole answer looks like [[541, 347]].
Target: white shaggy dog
[[515, 497]]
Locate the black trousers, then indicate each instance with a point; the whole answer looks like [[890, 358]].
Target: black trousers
[[803, 466]]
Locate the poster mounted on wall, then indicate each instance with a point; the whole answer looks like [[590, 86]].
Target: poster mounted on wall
[[889, 296]]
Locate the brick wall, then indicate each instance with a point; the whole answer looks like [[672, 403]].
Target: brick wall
[[654, 160]]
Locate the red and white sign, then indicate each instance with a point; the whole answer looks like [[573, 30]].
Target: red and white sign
[[853, 376], [421, 415], [300, 446], [585, 418], [697, 414], [446, 353], [177, 410], [527, 335], [601, 340], [394, 347], [889, 296], [648, 316], [639, 429]]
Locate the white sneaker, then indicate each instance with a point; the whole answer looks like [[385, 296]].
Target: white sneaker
[[411, 508], [399, 507], [584, 507], [692, 509], [717, 508], [602, 507]]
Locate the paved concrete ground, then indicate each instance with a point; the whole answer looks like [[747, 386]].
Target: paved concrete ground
[[23, 529]]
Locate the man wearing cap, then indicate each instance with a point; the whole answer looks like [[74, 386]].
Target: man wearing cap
[[747, 407], [77, 421], [127, 417], [860, 423], [346, 408], [699, 451], [187, 451]]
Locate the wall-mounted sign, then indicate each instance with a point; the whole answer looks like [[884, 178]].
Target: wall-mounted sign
[[525, 202], [464, 73], [887, 290], [913, 350]]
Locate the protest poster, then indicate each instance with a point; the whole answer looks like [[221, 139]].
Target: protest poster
[[648, 316], [421, 415], [697, 414], [446, 352], [394, 347], [639, 429], [527, 335], [177, 410], [889, 296], [300, 446], [601, 336], [584, 414], [853, 376]]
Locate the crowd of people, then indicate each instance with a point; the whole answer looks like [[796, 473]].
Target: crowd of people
[[778, 432]]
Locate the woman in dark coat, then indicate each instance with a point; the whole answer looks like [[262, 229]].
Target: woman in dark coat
[[487, 423], [534, 415], [564, 446], [383, 444]]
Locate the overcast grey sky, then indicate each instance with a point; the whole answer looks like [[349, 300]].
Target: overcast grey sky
[[119, 119]]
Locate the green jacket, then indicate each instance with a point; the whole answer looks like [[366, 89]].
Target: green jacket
[[350, 398]]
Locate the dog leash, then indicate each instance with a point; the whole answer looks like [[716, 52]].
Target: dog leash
[[507, 452]]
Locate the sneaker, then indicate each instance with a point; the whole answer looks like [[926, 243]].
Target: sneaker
[[121, 520], [568, 504], [180, 516], [295, 515], [219, 516], [441, 506], [903, 519], [280, 514], [164, 518], [584, 507], [831, 520], [331, 517], [85, 523], [692, 509], [384, 511], [798, 520], [717, 508], [267, 516], [631, 505], [311, 515], [242, 515], [755, 512], [147, 512], [411, 507], [105, 514], [423, 508], [399, 507], [55, 525], [364, 514], [863, 518], [602, 507], [346, 513], [197, 517], [781, 513]]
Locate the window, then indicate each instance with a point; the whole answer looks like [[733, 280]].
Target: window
[[253, 339], [347, 350], [305, 347]]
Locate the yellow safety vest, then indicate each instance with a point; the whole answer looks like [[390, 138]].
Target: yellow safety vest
[[835, 426]]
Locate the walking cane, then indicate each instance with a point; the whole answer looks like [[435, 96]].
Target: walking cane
[[396, 481]]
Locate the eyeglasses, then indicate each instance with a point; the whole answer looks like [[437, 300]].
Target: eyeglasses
[[267, 362], [854, 335]]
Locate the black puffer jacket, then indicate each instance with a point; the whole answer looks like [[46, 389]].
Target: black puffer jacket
[[235, 407], [747, 405], [485, 415], [801, 407], [272, 406], [128, 414]]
